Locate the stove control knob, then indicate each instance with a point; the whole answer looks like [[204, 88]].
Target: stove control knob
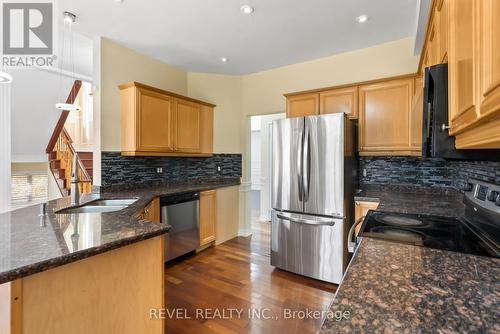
[[467, 186], [492, 195], [497, 202]]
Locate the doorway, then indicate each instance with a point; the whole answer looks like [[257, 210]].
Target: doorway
[[261, 166]]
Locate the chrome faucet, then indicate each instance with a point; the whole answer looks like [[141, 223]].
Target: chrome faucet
[[75, 192]]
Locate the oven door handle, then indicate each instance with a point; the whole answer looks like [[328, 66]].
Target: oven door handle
[[351, 245]]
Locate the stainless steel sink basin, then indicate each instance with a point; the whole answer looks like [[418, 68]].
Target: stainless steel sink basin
[[101, 206], [113, 202]]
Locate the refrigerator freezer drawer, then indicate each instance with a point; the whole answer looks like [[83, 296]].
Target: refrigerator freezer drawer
[[311, 246]]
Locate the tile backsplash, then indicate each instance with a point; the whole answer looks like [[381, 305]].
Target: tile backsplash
[[119, 170], [425, 172]]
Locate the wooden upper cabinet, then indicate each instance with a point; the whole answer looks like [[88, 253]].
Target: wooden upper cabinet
[[433, 44], [462, 68], [466, 35], [340, 100], [480, 128], [207, 130], [187, 126], [490, 57], [208, 211], [157, 122], [302, 105], [154, 120], [385, 118], [436, 45], [443, 26]]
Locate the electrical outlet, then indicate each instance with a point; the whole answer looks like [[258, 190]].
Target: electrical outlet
[[219, 169], [159, 170], [365, 173]]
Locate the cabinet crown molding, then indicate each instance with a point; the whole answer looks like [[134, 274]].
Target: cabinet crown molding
[[162, 91]]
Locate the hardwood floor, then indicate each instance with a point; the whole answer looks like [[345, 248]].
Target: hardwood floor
[[237, 275]]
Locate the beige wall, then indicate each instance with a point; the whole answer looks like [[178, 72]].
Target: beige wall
[[225, 92], [119, 65], [263, 91]]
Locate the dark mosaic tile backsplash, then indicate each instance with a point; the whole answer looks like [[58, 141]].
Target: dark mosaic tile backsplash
[[118, 170], [425, 172]]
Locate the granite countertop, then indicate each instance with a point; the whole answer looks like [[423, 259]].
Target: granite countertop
[[398, 288], [30, 243]]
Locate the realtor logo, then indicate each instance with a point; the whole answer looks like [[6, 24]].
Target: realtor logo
[[27, 28]]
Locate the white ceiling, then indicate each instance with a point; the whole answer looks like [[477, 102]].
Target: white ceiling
[[194, 34]]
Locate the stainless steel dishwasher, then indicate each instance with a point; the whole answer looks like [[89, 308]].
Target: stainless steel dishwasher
[[182, 213]]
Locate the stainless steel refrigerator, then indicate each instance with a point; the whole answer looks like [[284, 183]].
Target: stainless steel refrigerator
[[314, 176]]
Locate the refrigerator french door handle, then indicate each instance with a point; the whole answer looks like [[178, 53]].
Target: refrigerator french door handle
[[306, 174], [299, 168], [298, 220]]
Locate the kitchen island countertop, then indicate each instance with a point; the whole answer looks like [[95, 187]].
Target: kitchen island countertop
[[30, 243]]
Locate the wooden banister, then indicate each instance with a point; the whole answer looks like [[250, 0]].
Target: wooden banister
[[64, 115], [60, 149], [83, 174]]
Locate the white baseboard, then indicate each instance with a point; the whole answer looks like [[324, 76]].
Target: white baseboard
[[244, 233]]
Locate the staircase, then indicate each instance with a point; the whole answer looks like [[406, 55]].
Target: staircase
[[60, 152], [61, 160], [58, 173], [87, 159]]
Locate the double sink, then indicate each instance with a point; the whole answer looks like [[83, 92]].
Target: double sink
[[100, 206]]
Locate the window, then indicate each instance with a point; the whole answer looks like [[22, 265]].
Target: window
[[28, 188]]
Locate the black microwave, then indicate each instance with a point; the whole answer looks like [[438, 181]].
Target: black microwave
[[436, 142]]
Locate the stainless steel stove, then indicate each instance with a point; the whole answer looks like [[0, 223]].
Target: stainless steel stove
[[476, 232]]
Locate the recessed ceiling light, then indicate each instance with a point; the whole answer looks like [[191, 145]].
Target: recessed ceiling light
[[224, 59], [5, 77], [362, 18], [118, 1], [247, 9]]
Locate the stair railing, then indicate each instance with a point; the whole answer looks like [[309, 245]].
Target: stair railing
[[61, 143], [65, 153]]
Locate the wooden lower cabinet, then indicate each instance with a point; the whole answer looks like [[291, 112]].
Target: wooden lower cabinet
[[112, 292], [385, 119], [361, 208], [152, 211], [208, 214]]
